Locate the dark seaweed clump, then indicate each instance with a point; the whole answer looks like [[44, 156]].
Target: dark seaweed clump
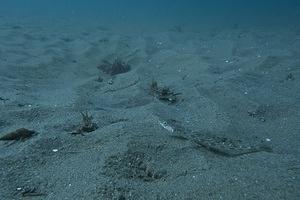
[[87, 124], [163, 93], [19, 134]]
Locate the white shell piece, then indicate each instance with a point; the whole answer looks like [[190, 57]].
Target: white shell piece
[[166, 126]]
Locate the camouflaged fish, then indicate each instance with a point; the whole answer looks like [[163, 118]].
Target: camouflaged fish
[[216, 143]]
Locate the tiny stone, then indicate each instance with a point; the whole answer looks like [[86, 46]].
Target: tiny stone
[[110, 82]]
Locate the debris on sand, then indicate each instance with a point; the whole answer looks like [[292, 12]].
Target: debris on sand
[[19, 134], [3, 99], [87, 125], [259, 113], [290, 77], [31, 192], [163, 93], [118, 66], [166, 126], [99, 79]]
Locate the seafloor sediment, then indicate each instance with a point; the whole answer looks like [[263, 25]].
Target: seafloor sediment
[[168, 115]]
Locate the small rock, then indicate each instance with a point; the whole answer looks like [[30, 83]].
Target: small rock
[[110, 81]]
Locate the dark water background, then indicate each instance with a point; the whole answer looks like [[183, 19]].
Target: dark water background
[[158, 13]]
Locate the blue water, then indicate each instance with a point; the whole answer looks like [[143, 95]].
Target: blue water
[[159, 12]]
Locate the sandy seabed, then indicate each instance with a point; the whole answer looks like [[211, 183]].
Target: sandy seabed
[[222, 124]]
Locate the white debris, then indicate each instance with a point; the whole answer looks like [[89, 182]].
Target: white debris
[[55, 150], [166, 126], [268, 139]]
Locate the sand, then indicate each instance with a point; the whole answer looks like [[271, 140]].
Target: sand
[[233, 132]]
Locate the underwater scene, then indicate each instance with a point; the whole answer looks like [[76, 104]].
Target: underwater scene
[[149, 100]]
